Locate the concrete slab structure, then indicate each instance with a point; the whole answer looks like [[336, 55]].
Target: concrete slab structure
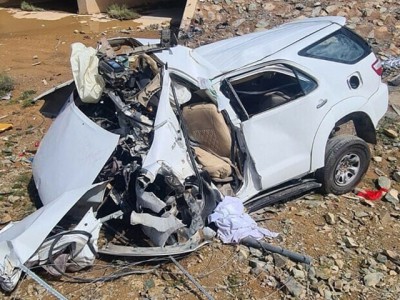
[[188, 14], [97, 6]]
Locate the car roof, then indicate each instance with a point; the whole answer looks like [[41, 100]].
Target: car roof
[[234, 53]]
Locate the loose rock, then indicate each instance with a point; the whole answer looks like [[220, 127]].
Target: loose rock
[[384, 182], [396, 176], [279, 260], [350, 243], [294, 287], [373, 279], [330, 218], [390, 133], [392, 196]]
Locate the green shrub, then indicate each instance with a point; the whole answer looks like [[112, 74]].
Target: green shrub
[[29, 7], [26, 98], [6, 84], [121, 12]]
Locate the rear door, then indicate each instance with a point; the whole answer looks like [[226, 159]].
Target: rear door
[[281, 109]]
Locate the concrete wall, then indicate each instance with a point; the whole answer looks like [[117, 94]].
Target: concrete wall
[[96, 6], [89, 6]]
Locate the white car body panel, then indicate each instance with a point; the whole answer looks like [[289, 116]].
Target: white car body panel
[[168, 147], [279, 140], [71, 154], [230, 54], [19, 241]]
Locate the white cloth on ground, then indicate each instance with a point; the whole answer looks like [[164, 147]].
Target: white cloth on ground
[[234, 224]]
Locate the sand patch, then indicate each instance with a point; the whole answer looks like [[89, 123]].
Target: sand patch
[[39, 15]]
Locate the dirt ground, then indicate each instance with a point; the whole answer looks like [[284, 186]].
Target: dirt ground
[[35, 53]]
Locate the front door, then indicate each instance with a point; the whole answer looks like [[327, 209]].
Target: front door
[[283, 108]]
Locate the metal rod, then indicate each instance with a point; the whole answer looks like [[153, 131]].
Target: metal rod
[[252, 242], [42, 283], [191, 278]]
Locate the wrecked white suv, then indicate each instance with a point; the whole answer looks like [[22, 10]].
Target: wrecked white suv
[[152, 137]]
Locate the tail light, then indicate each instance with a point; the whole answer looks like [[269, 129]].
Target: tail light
[[377, 67]]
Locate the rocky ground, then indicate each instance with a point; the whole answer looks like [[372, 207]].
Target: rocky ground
[[354, 243]]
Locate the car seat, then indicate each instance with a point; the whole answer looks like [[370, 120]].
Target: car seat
[[208, 130]]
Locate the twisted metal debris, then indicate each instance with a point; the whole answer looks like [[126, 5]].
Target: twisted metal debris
[[392, 63]]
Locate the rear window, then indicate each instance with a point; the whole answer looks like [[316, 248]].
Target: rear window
[[343, 46]]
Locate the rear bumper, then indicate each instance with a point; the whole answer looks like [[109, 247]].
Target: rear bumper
[[377, 104]]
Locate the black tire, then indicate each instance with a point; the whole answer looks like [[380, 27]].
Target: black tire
[[347, 159]]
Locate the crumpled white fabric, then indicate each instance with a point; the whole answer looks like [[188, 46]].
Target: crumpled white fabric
[[234, 224], [84, 65]]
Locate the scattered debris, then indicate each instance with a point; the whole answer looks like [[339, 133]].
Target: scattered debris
[[372, 195], [234, 224], [191, 278], [42, 283], [392, 63], [5, 127], [7, 96]]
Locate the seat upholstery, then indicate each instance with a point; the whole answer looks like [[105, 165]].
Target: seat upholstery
[[206, 127], [216, 167], [271, 100]]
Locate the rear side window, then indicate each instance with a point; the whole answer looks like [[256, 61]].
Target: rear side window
[[270, 87], [343, 46]]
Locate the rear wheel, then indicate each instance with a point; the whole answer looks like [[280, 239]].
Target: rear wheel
[[346, 161]]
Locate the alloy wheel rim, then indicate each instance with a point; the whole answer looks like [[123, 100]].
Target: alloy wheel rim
[[347, 169]]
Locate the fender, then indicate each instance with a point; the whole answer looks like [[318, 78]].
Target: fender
[[336, 113]]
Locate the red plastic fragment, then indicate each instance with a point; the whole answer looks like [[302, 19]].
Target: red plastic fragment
[[372, 195]]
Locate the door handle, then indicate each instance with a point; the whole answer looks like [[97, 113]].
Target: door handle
[[322, 102]]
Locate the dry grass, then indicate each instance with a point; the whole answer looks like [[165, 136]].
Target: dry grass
[[121, 12], [26, 6], [6, 84]]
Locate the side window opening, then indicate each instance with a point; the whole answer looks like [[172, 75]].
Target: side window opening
[[275, 86], [343, 46]]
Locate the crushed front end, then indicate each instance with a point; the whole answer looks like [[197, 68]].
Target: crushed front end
[[115, 158]]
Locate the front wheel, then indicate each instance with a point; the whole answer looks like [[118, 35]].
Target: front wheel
[[347, 159]]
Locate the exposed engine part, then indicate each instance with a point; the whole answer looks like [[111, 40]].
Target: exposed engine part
[[127, 110], [133, 80], [113, 72]]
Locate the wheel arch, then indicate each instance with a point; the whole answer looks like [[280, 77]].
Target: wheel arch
[[363, 125]]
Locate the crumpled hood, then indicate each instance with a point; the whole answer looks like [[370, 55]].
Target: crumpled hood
[[71, 154]]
